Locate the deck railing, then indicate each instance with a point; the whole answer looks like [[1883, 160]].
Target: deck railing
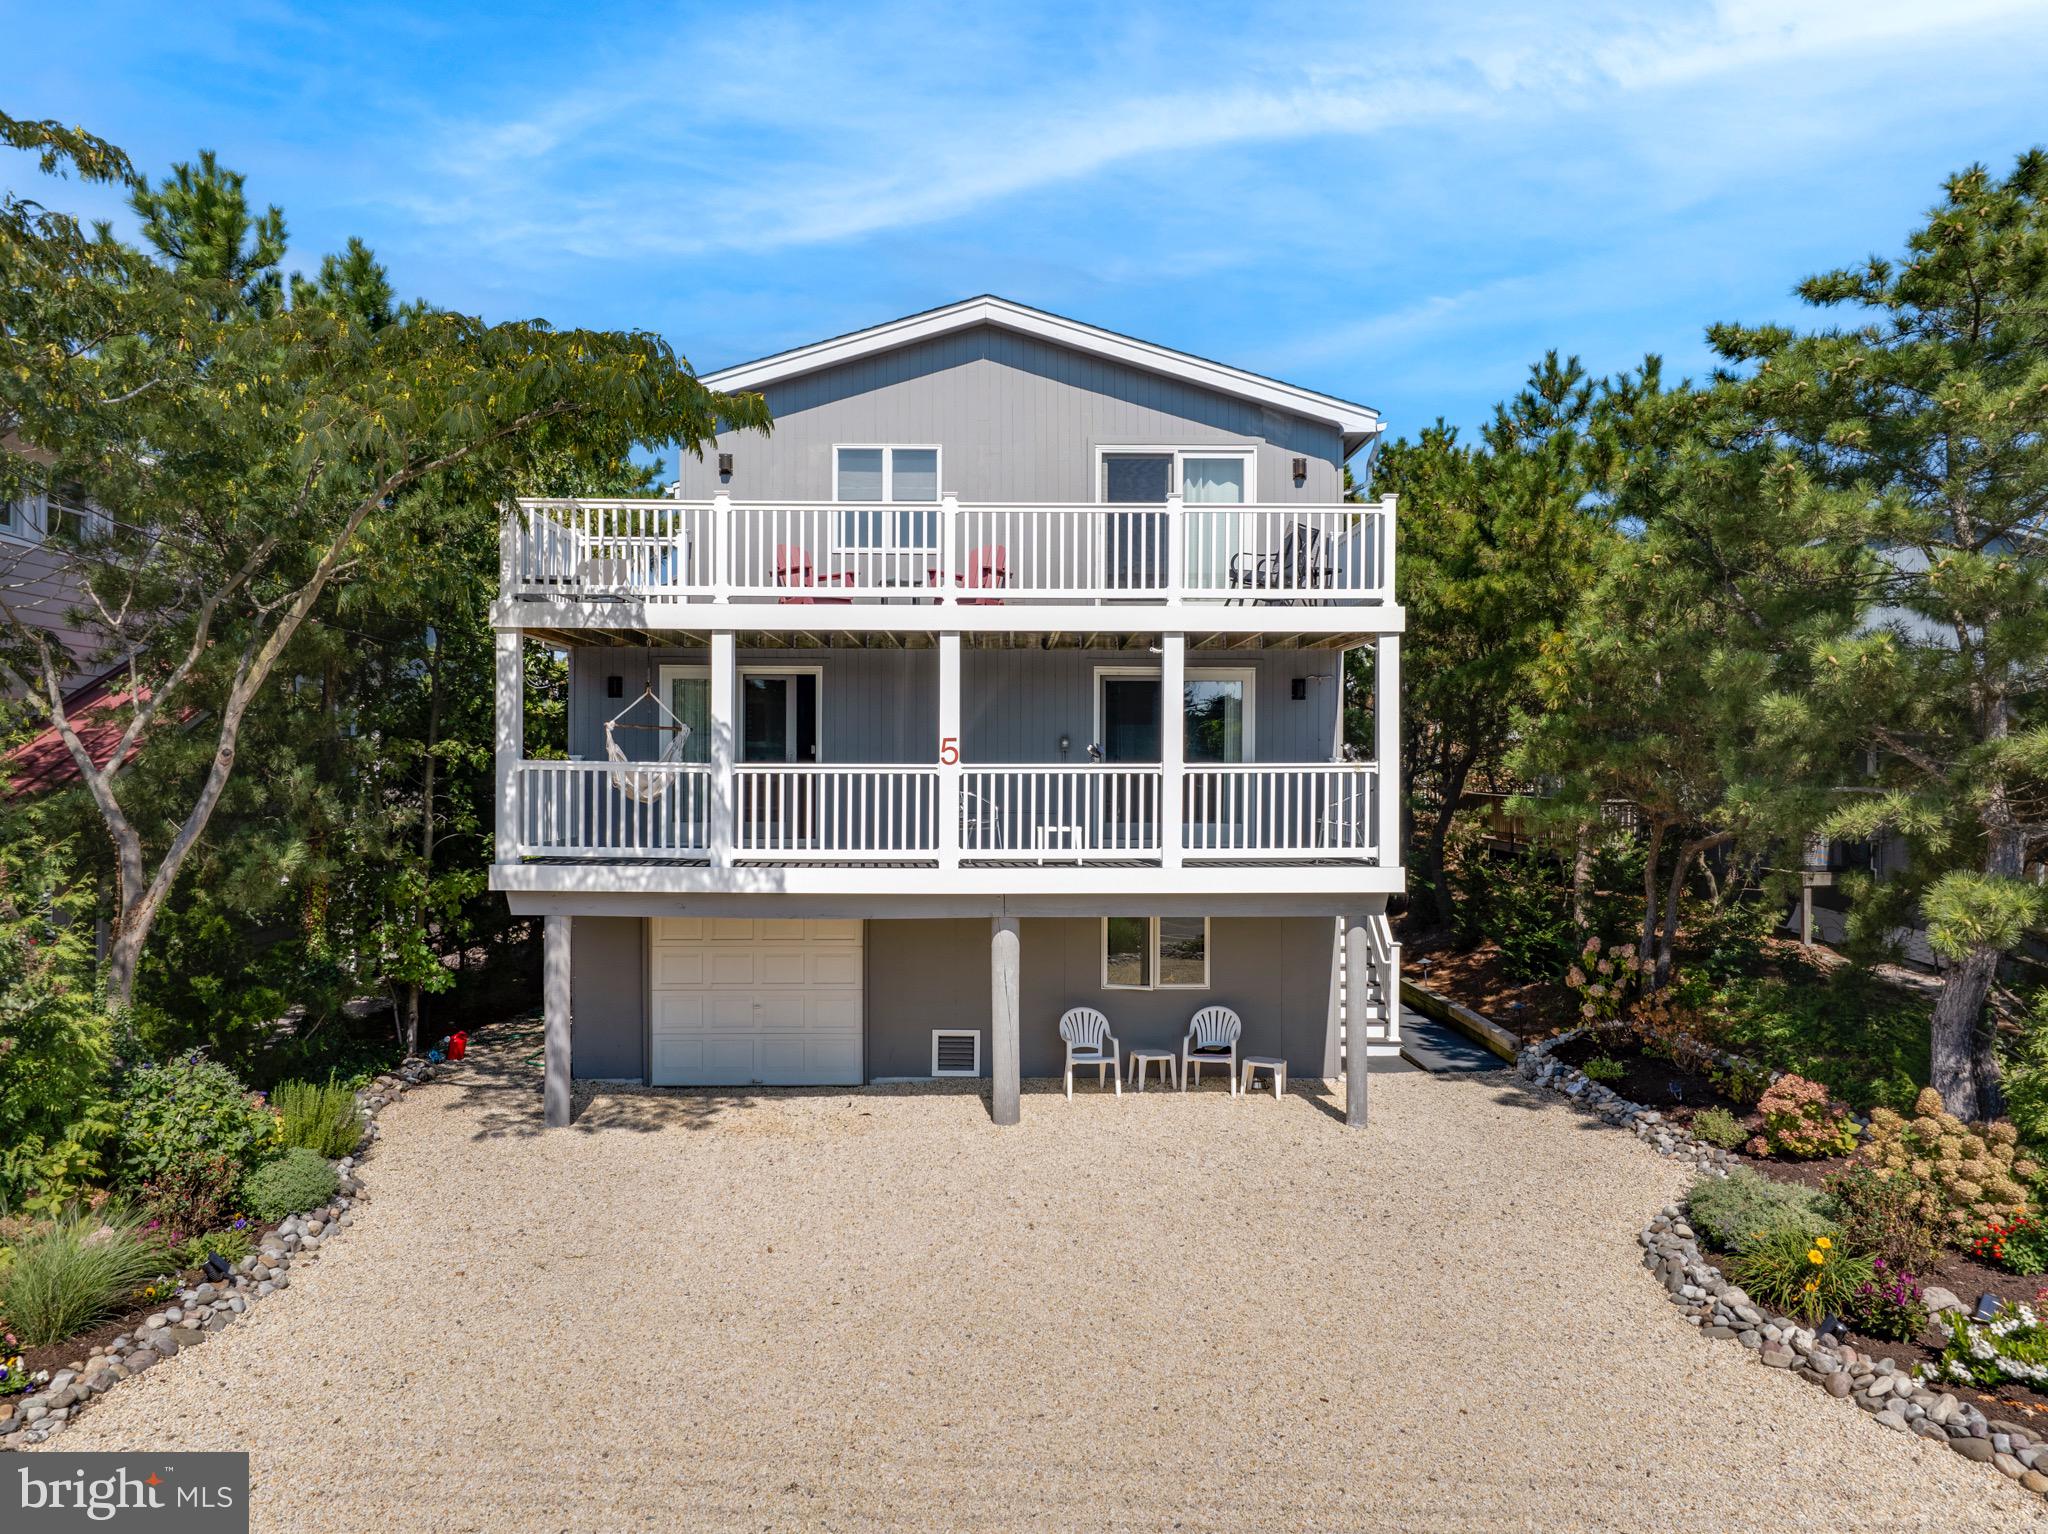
[[613, 810], [888, 813], [1258, 810], [944, 551]]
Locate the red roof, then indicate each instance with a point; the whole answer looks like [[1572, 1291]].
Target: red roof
[[45, 762]]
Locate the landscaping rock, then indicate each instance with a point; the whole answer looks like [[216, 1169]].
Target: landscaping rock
[[1939, 1299], [1978, 1449]]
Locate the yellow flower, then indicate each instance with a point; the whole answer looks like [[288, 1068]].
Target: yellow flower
[[1815, 1258], [1825, 1244]]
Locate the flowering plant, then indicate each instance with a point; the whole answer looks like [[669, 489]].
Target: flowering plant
[[1602, 980], [1889, 1305], [2016, 1242], [1790, 1268], [2012, 1347], [1801, 1120], [13, 1372]]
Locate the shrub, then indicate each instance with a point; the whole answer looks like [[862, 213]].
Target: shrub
[[1801, 1120], [1890, 1305], [1729, 1210], [1889, 1214], [317, 1118], [297, 1180], [1604, 1068], [1717, 1126], [54, 1048], [74, 1270], [1522, 906], [1972, 1174], [230, 1243], [184, 1109], [199, 1195], [2018, 1245], [1602, 981], [2012, 1348], [1798, 1270]]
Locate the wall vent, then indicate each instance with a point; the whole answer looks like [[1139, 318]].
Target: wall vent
[[956, 1052]]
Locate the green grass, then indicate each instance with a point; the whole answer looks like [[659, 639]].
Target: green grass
[[74, 1271], [320, 1119], [1864, 1040]]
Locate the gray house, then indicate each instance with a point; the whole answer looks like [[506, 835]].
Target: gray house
[[1002, 678]]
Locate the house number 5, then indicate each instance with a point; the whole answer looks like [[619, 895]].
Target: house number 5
[[949, 750]]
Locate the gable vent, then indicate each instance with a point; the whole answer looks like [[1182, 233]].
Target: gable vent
[[956, 1052]]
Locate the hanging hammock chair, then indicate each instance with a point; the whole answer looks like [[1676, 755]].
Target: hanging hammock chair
[[641, 781]]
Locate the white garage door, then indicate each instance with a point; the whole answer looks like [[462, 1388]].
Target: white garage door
[[769, 1003]]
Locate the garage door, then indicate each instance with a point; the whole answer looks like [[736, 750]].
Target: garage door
[[769, 1003]]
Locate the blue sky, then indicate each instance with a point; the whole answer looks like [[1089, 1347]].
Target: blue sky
[[1400, 205]]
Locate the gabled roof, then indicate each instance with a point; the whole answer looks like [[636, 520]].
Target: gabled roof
[[1358, 423], [44, 762]]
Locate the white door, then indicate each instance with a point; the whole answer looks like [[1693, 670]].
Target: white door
[[741, 1002]]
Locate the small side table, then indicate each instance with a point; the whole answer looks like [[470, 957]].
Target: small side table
[[1142, 1058], [1273, 1066]]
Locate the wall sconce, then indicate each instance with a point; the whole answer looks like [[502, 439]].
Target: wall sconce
[[1300, 470], [1298, 689], [1066, 745], [725, 466]]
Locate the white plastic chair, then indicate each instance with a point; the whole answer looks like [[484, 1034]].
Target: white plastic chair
[[1089, 1042], [1212, 1039]]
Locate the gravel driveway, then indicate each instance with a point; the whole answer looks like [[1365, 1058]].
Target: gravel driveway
[[872, 1309]]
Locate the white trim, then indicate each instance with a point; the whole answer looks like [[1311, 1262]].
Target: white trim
[[956, 1033], [739, 713], [1248, 675], [1152, 956], [1358, 423], [1179, 452]]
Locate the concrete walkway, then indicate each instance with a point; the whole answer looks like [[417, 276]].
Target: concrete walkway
[[874, 1310]]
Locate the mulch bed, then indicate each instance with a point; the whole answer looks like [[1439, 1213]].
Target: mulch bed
[[1529, 1009], [1676, 1091]]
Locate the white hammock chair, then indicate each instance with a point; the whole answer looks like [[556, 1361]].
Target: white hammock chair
[[641, 781]]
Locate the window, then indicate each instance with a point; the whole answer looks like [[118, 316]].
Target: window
[[1217, 714], [889, 475], [687, 692], [1134, 542], [1145, 953], [779, 714]]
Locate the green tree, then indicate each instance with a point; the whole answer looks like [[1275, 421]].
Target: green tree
[[1926, 415], [198, 220], [1496, 546], [251, 460]]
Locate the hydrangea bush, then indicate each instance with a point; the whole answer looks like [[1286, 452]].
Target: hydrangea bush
[[1968, 1175], [1603, 980], [173, 1114], [1802, 1120]]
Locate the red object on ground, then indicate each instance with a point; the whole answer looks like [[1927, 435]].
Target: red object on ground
[[458, 1046]]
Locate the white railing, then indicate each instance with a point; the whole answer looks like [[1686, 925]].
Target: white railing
[[613, 810], [1280, 811], [932, 552], [821, 814], [892, 813], [1060, 814]]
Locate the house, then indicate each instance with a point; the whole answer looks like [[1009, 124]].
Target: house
[[1002, 677]]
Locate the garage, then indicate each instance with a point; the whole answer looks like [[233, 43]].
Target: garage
[[754, 1003]]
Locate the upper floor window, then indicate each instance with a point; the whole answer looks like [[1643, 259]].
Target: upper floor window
[[889, 474]]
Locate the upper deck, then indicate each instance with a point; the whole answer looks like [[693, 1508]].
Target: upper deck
[[947, 564]]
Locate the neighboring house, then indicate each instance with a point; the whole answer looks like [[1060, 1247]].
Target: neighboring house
[[1003, 677]]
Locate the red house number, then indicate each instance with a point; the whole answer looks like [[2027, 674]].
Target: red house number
[[949, 750]]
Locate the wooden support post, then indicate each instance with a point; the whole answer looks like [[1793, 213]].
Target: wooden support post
[[1004, 969], [1173, 656], [721, 811], [949, 751], [1357, 983], [510, 655], [555, 1008]]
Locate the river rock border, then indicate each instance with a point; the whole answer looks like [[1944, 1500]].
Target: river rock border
[[1721, 1310], [199, 1311]]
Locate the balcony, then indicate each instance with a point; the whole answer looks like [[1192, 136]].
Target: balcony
[[932, 554], [898, 816]]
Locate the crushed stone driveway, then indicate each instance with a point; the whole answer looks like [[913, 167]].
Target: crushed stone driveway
[[871, 1309]]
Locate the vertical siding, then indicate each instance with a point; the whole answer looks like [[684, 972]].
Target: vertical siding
[[882, 705], [1017, 418], [1276, 972], [607, 998]]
